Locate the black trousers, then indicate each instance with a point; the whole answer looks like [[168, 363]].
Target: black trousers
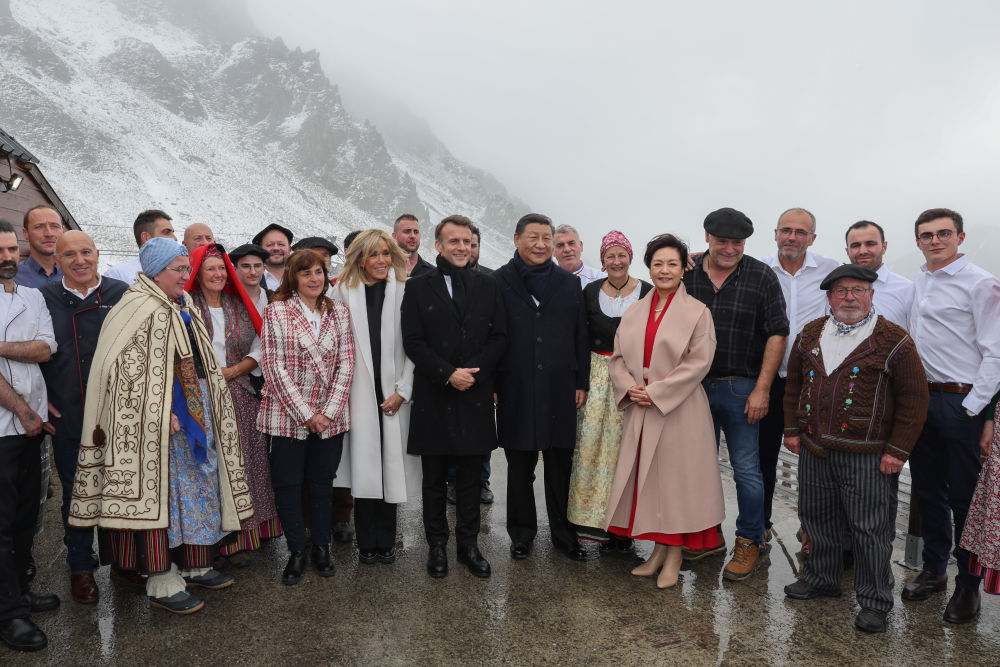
[[435, 486], [770, 437], [522, 520], [313, 462], [20, 470], [374, 523], [945, 467]]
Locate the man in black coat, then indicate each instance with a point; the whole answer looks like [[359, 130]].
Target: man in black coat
[[78, 305], [541, 382], [455, 332]]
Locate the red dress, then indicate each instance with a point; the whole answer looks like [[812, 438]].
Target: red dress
[[704, 539]]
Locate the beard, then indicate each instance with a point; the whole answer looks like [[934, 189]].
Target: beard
[[8, 270]]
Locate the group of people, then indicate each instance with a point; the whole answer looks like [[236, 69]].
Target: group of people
[[201, 401]]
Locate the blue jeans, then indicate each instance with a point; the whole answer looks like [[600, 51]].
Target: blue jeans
[[728, 399], [79, 541]]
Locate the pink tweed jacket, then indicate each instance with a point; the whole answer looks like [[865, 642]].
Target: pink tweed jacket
[[305, 374]]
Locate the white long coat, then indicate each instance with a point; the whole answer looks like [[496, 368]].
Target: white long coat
[[370, 468]]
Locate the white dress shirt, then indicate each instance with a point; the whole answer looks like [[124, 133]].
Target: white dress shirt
[[893, 297], [125, 271], [955, 322], [24, 317], [270, 281], [804, 300], [90, 290], [588, 274]]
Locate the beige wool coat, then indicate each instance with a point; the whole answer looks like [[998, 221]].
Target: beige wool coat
[[680, 487]]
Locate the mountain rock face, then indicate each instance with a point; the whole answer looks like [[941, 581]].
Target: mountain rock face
[[182, 105]]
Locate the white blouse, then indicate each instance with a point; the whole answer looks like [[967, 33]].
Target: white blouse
[[615, 306]]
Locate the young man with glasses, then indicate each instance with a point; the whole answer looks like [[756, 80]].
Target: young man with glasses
[[956, 307], [799, 272]]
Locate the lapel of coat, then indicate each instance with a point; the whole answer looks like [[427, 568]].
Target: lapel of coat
[[359, 316], [632, 328], [510, 276], [439, 288], [390, 312], [304, 332]]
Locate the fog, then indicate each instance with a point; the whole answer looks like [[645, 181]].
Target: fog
[[645, 116]]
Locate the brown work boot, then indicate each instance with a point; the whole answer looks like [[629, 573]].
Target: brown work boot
[[744, 560]]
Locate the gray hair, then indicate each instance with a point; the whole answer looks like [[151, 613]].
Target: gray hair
[[568, 229], [800, 210]]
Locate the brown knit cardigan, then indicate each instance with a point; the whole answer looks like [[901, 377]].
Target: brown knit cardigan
[[875, 401]]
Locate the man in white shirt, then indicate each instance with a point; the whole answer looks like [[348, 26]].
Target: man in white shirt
[[569, 253], [800, 272], [893, 293], [149, 224], [277, 241], [954, 321], [26, 339]]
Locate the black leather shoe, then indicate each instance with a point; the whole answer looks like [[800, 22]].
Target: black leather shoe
[[473, 559], [41, 601], [803, 590], [386, 556], [437, 561], [963, 606], [322, 562], [342, 532], [923, 586], [293, 570], [367, 556], [575, 552], [870, 620], [22, 635], [520, 550]]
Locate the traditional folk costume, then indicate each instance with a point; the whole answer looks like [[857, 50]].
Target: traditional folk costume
[[165, 500], [599, 421], [981, 536], [234, 329], [667, 486]]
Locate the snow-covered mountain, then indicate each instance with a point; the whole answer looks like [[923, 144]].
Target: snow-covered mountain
[[182, 105]]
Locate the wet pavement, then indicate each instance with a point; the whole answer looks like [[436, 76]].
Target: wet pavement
[[543, 610]]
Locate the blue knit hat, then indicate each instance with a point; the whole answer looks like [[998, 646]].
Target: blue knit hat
[[155, 254]]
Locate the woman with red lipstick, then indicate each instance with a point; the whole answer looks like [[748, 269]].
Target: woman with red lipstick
[[308, 364], [234, 327], [667, 486]]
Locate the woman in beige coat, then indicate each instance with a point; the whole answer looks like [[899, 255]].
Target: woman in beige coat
[[663, 350]]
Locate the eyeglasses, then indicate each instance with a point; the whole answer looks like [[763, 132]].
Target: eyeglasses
[[183, 270], [856, 292], [788, 231], [943, 235]]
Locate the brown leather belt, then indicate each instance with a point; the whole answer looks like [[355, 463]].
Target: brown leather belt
[[724, 379], [950, 387]]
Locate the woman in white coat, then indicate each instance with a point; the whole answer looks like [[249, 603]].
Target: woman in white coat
[[375, 464]]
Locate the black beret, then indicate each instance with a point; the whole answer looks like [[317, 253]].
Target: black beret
[[248, 249], [848, 271], [316, 242], [728, 223], [270, 228]]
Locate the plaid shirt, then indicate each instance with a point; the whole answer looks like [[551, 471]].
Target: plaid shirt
[[305, 374], [748, 309]]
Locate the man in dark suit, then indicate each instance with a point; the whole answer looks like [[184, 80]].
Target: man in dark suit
[[541, 382], [454, 330]]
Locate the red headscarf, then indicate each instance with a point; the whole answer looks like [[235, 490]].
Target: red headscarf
[[233, 284]]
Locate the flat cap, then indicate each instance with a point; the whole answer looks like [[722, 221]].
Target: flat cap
[[248, 249], [728, 223], [316, 242], [848, 271], [270, 228]]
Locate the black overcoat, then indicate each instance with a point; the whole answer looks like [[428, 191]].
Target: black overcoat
[[438, 339], [547, 360]]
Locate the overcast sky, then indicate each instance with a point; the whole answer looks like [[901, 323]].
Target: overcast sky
[[645, 116]]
